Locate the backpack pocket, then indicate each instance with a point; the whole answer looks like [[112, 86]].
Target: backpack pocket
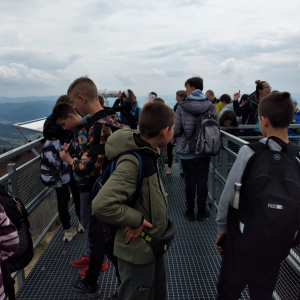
[[271, 222]]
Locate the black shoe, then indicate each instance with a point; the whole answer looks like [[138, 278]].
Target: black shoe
[[91, 291], [189, 216], [113, 297], [182, 175], [203, 216]]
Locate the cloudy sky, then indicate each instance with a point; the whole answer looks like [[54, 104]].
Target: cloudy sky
[[148, 45]]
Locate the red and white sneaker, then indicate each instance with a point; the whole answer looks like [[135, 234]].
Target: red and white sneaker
[[84, 270], [81, 262]]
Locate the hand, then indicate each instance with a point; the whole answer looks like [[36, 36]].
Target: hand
[[84, 157], [132, 234], [218, 248], [66, 157], [64, 146], [236, 96]]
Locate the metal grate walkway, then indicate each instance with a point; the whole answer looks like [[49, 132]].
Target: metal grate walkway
[[192, 262]]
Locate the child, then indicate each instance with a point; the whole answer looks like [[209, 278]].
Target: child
[[103, 122], [143, 276], [228, 118], [253, 257]]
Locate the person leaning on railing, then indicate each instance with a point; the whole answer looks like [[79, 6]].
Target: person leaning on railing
[[249, 110]]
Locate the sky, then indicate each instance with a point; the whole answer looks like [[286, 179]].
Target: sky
[[148, 45]]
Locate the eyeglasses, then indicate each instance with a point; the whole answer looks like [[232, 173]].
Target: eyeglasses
[[267, 87]]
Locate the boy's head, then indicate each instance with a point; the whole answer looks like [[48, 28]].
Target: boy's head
[[180, 96], [275, 111], [225, 99], [63, 99], [194, 83], [210, 95], [65, 115], [159, 100], [81, 92], [156, 121]]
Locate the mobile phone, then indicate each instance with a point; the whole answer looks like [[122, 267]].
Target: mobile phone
[[69, 146], [221, 241]]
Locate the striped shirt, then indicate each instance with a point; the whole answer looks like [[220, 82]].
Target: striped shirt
[[9, 242]]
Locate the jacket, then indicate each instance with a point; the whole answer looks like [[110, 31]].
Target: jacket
[[217, 103], [249, 111], [295, 131], [101, 125], [110, 205], [187, 112], [228, 106], [125, 110]]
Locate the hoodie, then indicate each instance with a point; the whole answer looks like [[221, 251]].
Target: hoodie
[[111, 203], [196, 104]]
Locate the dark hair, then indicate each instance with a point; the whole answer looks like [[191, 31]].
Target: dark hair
[[154, 117], [259, 86], [196, 82], [228, 115], [83, 86], [244, 97], [181, 93], [61, 111], [132, 97], [278, 108], [101, 100], [225, 98], [153, 93], [63, 99], [159, 100]]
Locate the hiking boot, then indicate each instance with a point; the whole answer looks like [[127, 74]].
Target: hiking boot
[[69, 234], [80, 228], [203, 216], [113, 297], [81, 262], [84, 270], [91, 291], [189, 216], [169, 171]]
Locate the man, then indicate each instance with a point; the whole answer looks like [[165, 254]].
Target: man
[[216, 102]]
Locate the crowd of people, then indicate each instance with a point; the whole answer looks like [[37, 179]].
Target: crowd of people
[[120, 201]]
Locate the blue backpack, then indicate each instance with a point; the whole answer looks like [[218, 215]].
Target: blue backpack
[[107, 172], [134, 115]]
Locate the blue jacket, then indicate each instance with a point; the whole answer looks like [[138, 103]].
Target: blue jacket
[[295, 131], [228, 106], [187, 112]]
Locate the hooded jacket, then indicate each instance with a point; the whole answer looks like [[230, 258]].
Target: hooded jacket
[[187, 112], [111, 203], [228, 106], [217, 103]]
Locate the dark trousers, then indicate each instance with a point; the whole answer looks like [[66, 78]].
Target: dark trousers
[[100, 245], [240, 267], [196, 176], [170, 154], [63, 198]]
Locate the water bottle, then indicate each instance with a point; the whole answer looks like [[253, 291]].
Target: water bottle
[[235, 202]]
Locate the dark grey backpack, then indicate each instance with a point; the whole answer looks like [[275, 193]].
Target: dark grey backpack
[[206, 141]]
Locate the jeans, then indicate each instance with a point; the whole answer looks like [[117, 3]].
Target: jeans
[[178, 158], [196, 177], [85, 215], [63, 198]]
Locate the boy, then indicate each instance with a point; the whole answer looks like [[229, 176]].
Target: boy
[[103, 122], [143, 276], [250, 257]]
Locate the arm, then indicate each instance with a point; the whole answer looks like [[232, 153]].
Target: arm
[[234, 176], [178, 123], [121, 107], [9, 239], [241, 110], [110, 203]]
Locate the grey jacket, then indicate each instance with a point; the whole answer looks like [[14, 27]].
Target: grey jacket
[[187, 112]]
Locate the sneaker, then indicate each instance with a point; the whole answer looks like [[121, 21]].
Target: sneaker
[[81, 262], [80, 228], [69, 234], [189, 216], [84, 270], [203, 216], [169, 171], [91, 291]]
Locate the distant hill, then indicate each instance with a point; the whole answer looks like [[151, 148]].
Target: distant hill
[[28, 99]]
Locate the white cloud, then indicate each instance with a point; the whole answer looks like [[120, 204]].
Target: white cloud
[[228, 66]]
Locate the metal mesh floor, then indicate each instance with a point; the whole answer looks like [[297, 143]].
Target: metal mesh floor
[[192, 262]]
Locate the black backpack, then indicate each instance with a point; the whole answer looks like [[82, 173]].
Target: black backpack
[[206, 141], [270, 199]]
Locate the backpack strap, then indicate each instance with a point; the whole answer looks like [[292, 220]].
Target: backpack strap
[[293, 149]]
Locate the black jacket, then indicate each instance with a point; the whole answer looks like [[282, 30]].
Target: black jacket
[[125, 109]]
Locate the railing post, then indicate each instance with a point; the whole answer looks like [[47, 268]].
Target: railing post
[[13, 188], [213, 193]]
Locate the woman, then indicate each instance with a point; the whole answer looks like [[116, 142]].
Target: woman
[[124, 104], [249, 110]]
